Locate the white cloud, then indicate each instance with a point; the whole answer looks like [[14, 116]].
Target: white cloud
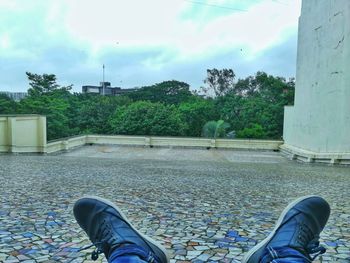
[[131, 23], [5, 42], [157, 39], [158, 23], [8, 4]]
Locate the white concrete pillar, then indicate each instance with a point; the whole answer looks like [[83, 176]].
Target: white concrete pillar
[[11, 136], [42, 140], [319, 122]]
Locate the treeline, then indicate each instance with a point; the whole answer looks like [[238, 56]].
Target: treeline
[[246, 108]]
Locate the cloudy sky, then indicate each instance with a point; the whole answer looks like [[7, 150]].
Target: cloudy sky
[[142, 42]]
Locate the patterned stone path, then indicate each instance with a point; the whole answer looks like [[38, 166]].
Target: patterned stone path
[[202, 211]]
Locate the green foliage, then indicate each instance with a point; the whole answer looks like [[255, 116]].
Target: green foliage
[[40, 84], [147, 118], [54, 107], [219, 82], [196, 114], [215, 129], [230, 108], [258, 99], [253, 108], [7, 105], [255, 131], [94, 111], [48, 98], [169, 92]]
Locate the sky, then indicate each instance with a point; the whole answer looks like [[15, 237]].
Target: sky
[[143, 42]]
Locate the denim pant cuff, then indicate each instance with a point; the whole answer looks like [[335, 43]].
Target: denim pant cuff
[[132, 250], [283, 254]]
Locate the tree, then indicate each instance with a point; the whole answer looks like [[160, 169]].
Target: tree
[[215, 129], [54, 108], [230, 108], [253, 107], [91, 113], [40, 84], [258, 99], [247, 87], [169, 92], [196, 113], [273, 89], [48, 98], [7, 105], [219, 82], [147, 118]]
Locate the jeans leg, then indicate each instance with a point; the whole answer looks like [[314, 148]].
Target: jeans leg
[[284, 255], [288, 260], [131, 254], [127, 259]]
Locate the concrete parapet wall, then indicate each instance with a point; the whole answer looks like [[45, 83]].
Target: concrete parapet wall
[[120, 140], [27, 134], [184, 142], [271, 145], [150, 141], [65, 144], [22, 133]]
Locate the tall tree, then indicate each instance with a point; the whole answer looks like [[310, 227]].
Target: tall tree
[[40, 84], [258, 100], [219, 81], [48, 98], [170, 92]]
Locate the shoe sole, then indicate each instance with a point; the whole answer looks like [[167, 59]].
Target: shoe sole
[[148, 239], [278, 224]]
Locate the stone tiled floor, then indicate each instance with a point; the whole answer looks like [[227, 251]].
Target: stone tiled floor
[[203, 206]]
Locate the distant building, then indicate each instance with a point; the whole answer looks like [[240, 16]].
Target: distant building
[[16, 96], [108, 90]]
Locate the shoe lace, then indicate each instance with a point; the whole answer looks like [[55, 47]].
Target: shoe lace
[[96, 252], [315, 249], [312, 242], [104, 241]]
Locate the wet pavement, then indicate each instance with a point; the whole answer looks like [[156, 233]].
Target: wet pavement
[[202, 205]]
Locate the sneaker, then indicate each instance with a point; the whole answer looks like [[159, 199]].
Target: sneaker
[[298, 228], [109, 229]]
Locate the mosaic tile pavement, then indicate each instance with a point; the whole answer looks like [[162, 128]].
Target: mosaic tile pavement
[[202, 211]]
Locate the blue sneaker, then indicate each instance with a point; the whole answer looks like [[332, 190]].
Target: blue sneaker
[[298, 228], [109, 230]]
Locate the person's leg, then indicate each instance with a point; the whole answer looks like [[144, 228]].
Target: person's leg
[[295, 237], [112, 234]]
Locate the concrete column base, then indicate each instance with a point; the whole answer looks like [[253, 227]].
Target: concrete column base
[[306, 156]]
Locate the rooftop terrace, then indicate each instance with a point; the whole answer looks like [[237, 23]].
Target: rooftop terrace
[[202, 205]]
